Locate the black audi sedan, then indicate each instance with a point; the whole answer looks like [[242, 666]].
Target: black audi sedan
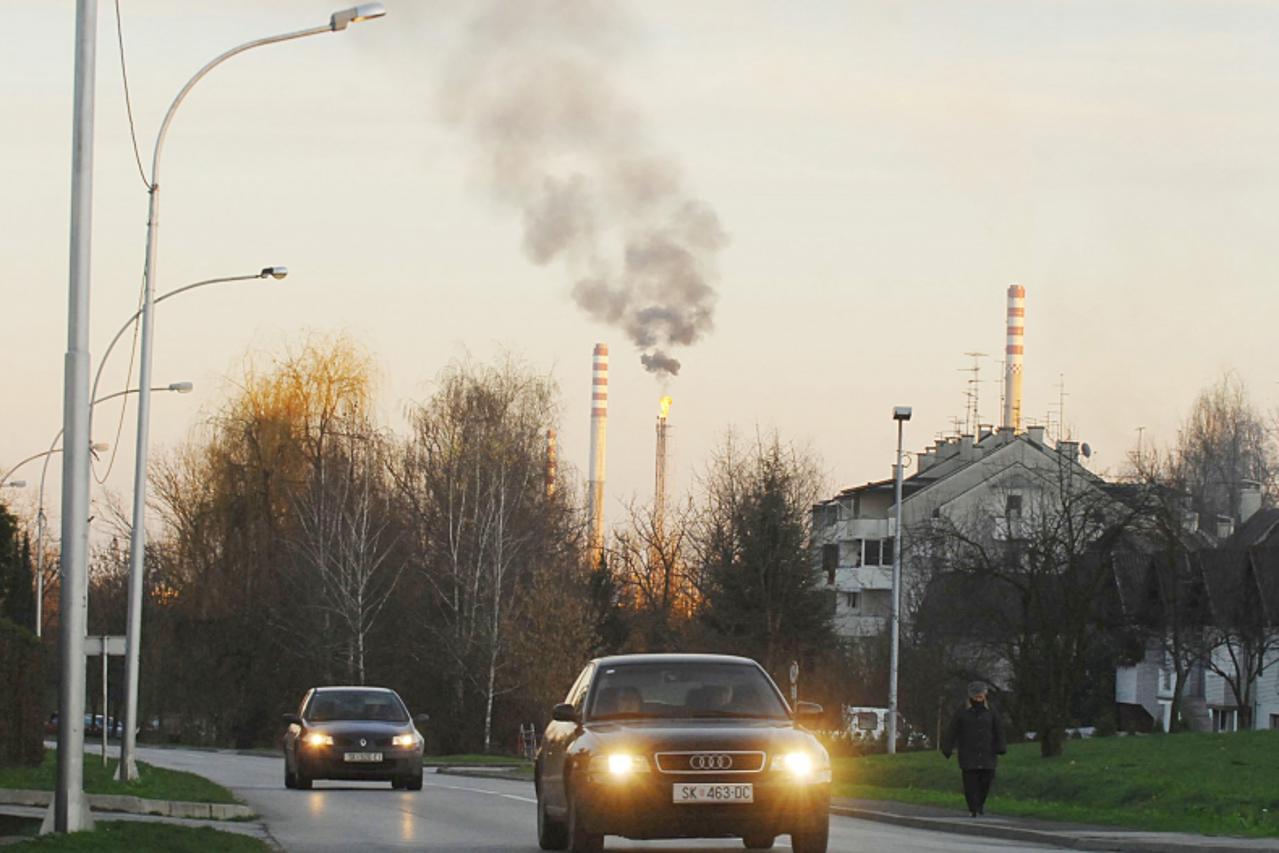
[[352, 733], [680, 746]]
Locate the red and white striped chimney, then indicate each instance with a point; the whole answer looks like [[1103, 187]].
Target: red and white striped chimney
[[599, 429], [1013, 353]]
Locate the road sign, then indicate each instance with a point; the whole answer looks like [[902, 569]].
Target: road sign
[[114, 645]]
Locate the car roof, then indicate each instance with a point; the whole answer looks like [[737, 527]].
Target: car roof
[[364, 687], [668, 658]]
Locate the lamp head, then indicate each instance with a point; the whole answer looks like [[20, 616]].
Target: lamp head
[[901, 413], [363, 12], [16, 484], [276, 273], [99, 447], [181, 387]]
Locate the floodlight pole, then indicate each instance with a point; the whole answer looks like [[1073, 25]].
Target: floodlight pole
[[901, 414]]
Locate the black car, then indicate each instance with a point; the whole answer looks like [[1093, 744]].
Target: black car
[[353, 733], [680, 746]]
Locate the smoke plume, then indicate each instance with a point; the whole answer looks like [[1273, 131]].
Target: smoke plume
[[530, 86]]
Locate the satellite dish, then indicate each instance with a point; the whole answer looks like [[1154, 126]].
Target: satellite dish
[[1086, 450]]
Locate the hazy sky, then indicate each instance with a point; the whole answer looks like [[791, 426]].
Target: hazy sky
[[881, 171]]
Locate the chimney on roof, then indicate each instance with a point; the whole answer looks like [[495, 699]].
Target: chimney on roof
[[925, 460], [1036, 434], [1249, 499]]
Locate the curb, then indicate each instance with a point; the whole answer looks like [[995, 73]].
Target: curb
[[986, 829], [134, 805]]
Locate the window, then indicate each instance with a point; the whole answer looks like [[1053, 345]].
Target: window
[[852, 600], [1274, 722], [871, 552], [830, 561], [1013, 505]]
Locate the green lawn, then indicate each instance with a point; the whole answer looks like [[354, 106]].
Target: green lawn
[[155, 783], [134, 837], [1203, 783]]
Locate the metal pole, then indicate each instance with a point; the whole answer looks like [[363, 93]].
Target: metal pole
[[105, 658], [69, 806], [40, 521], [127, 769], [897, 598]]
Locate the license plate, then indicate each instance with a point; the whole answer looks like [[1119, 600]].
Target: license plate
[[712, 793], [363, 756]]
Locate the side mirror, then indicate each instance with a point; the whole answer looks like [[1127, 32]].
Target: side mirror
[[293, 719], [564, 713], [807, 710], [421, 719]]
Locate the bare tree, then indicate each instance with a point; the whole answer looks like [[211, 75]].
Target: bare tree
[[1242, 635]]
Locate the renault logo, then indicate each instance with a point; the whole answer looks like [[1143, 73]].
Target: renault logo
[[363, 742], [710, 761]]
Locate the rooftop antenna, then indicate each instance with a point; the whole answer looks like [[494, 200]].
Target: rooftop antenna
[[972, 410]]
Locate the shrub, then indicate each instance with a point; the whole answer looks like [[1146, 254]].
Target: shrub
[[21, 715]]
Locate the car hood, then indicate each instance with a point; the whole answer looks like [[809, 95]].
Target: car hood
[[360, 728], [680, 735]]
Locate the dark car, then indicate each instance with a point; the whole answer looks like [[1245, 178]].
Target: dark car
[[362, 733], [680, 746]]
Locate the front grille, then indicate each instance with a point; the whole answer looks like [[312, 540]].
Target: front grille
[[710, 761], [354, 742]]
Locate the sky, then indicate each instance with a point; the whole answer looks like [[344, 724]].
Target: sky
[[879, 174]]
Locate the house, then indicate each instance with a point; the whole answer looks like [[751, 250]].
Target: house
[[992, 474]]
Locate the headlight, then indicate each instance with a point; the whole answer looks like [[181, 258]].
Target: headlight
[[405, 741], [618, 765], [317, 739], [799, 764]]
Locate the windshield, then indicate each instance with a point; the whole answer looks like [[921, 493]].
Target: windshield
[[684, 690], [331, 705]]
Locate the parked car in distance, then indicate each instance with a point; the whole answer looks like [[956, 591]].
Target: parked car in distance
[[680, 746], [353, 733]]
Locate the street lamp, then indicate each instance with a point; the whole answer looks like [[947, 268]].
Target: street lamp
[[95, 447], [13, 484], [901, 414], [338, 21], [275, 272]]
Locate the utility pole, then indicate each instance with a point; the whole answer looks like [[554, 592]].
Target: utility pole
[[70, 809], [901, 414]]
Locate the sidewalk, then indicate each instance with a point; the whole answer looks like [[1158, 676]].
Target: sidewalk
[[1059, 834], [254, 828]]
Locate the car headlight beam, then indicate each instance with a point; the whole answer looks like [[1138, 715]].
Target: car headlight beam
[[407, 741], [315, 739], [618, 765], [798, 764]]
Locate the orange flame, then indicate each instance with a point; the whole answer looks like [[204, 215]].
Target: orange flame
[[666, 407]]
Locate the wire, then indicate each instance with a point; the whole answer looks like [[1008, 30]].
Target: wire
[[124, 400], [128, 105]]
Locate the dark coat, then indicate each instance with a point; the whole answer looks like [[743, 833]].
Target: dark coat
[[979, 736]]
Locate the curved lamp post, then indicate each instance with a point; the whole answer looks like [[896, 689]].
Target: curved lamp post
[[339, 21]]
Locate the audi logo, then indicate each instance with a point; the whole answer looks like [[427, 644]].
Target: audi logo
[[710, 761]]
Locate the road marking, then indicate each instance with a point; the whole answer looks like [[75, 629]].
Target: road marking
[[482, 791]]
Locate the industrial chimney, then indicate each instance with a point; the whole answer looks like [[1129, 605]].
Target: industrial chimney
[[1012, 356], [659, 490], [599, 426], [552, 463]]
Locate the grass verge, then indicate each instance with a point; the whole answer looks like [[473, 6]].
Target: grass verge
[[1202, 783], [155, 783], [474, 760], [137, 837]]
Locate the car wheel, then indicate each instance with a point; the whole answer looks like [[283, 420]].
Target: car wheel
[[551, 834], [303, 782], [290, 780], [414, 783], [579, 840], [758, 842], [812, 841], [398, 784]]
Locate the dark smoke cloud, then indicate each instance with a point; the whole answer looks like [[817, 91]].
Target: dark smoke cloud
[[530, 85]]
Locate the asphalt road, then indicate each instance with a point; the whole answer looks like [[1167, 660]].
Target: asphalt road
[[454, 814]]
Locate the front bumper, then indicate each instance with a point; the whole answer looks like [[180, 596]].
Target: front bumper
[[328, 763], [642, 807]]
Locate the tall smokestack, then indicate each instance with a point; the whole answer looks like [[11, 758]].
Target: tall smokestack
[[1012, 356], [599, 427], [552, 463], [659, 489]]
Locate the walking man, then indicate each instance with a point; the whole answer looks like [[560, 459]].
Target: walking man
[[978, 735]]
